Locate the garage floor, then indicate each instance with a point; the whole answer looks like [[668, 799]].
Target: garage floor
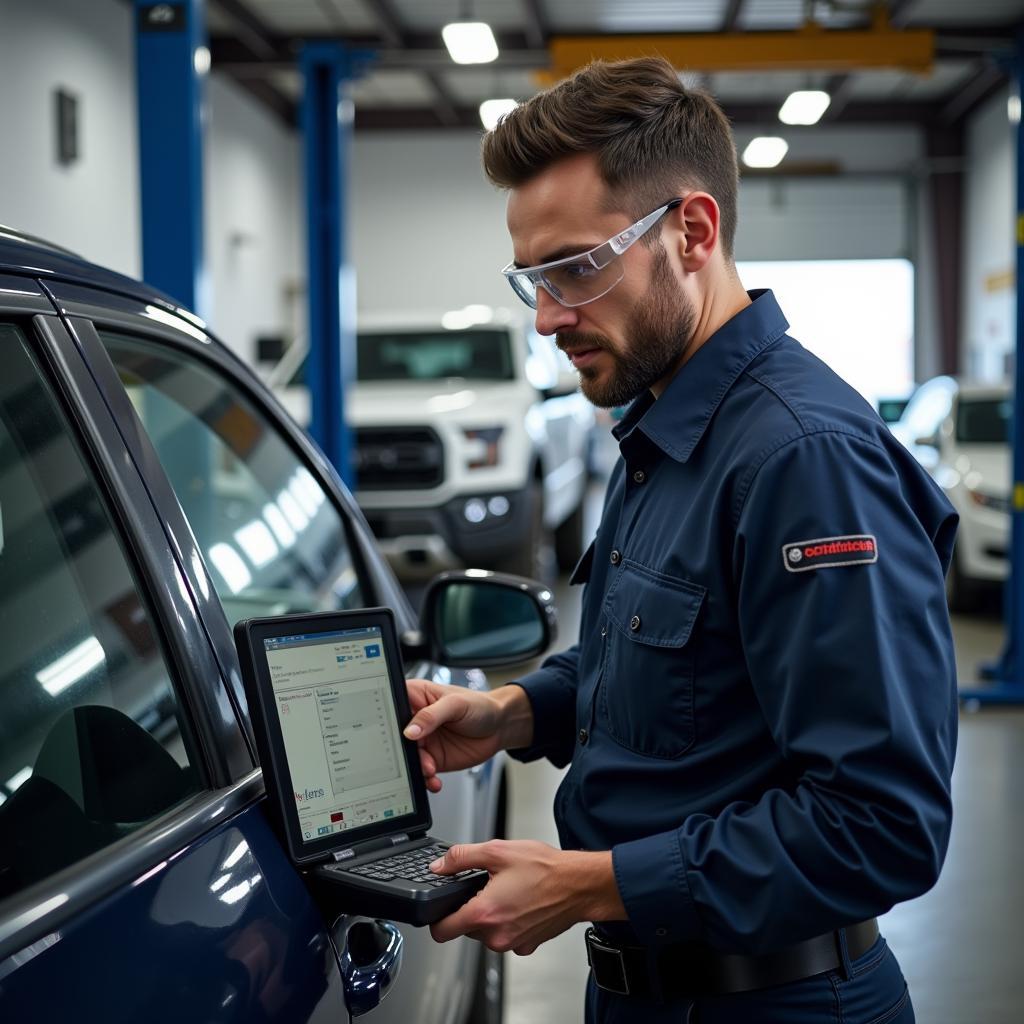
[[960, 944]]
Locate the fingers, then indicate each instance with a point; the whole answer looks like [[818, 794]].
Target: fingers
[[465, 856], [430, 718]]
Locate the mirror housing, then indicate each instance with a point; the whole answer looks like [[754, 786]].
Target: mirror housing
[[478, 619]]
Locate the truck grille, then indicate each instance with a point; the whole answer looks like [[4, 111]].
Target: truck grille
[[388, 458]]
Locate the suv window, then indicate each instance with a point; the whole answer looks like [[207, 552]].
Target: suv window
[[92, 743], [273, 539], [983, 420]]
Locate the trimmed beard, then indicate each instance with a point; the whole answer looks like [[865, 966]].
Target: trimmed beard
[[660, 332]]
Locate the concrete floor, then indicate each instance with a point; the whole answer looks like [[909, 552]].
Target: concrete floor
[[960, 945]]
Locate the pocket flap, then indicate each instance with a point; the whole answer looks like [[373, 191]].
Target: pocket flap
[[581, 574], [652, 608]]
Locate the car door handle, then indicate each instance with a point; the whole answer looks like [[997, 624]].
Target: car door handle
[[370, 956]]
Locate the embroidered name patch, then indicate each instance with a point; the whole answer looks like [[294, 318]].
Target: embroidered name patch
[[827, 552]]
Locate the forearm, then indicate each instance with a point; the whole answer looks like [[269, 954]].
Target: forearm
[[515, 717], [593, 880]]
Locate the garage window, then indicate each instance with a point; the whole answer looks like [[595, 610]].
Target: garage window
[[92, 743], [274, 541]]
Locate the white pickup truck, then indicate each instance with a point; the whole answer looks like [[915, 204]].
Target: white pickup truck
[[471, 441]]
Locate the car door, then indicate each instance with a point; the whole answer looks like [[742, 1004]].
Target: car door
[[139, 879], [270, 524]]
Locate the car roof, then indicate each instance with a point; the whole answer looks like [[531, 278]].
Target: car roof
[[21, 253]]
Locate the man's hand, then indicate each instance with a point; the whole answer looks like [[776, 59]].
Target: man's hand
[[535, 893], [458, 728]]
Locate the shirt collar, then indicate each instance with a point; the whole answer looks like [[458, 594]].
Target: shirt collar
[[676, 422]]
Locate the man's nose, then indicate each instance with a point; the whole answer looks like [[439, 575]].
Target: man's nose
[[552, 316]]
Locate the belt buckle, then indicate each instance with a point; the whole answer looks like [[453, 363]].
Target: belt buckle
[[608, 965]]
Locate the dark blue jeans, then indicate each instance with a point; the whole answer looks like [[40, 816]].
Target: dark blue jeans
[[872, 991]]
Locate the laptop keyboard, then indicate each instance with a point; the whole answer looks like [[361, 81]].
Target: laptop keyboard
[[410, 866]]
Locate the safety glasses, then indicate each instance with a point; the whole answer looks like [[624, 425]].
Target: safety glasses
[[577, 280]]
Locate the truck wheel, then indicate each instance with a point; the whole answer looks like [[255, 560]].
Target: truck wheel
[[535, 559], [488, 1005], [569, 540], [961, 591]]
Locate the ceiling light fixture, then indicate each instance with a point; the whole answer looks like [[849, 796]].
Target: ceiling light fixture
[[765, 151], [492, 111], [805, 106], [470, 42]]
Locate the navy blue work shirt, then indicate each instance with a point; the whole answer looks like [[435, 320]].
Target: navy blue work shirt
[[760, 714]]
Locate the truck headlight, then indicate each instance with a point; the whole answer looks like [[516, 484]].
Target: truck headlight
[[482, 446]]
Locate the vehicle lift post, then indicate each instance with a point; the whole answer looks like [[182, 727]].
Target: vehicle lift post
[[1008, 673], [171, 63], [327, 123]]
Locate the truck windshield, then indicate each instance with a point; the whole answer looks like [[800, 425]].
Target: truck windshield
[[983, 420], [434, 355], [429, 355]]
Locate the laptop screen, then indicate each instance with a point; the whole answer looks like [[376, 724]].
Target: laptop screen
[[339, 724]]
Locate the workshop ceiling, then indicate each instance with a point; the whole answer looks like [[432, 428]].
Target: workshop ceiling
[[412, 83]]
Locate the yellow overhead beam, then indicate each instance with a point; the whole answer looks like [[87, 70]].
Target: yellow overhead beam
[[810, 48]]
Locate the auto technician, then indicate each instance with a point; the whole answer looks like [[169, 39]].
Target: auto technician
[[760, 715]]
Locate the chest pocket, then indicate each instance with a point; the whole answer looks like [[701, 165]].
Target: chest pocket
[[646, 695]]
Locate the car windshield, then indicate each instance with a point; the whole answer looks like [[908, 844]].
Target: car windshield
[[983, 420], [482, 354]]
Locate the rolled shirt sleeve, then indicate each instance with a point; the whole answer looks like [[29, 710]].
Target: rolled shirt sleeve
[[851, 660]]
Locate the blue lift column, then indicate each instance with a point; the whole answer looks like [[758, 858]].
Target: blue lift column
[[1008, 684], [171, 61], [327, 136]]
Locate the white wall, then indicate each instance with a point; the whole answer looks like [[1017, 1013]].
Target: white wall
[[429, 231], [253, 220], [88, 49], [989, 295]]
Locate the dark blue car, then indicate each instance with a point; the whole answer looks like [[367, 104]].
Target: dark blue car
[[152, 493]]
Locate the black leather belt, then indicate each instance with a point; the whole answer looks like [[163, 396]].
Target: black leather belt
[[696, 969]]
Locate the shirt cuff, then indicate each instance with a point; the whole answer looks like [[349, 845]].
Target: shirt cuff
[[651, 877], [547, 699]]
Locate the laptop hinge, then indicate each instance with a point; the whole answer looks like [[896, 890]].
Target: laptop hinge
[[339, 855], [402, 837]]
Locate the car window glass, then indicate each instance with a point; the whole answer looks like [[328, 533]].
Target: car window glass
[[272, 538], [92, 743], [983, 420]]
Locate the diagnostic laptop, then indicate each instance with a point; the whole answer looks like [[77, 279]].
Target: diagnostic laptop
[[328, 701]]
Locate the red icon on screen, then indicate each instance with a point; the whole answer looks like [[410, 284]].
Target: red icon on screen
[[337, 816]]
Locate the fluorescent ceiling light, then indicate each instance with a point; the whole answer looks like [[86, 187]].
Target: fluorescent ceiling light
[[804, 106], [765, 151], [70, 667], [256, 540], [19, 779], [470, 42], [228, 562], [284, 533], [492, 111]]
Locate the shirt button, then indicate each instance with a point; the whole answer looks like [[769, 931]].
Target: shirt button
[[639, 476], [615, 557], [584, 736], [661, 932], [634, 623], [604, 631]]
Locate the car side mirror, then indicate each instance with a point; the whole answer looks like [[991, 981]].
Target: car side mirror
[[474, 618]]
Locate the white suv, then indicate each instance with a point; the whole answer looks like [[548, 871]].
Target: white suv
[[960, 433], [471, 441]]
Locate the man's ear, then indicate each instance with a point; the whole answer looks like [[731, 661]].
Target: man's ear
[[699, 218]]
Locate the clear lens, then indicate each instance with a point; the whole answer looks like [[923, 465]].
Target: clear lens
[[525, 287]]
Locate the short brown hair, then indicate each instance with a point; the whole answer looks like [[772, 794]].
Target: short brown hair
[[650, 134]]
